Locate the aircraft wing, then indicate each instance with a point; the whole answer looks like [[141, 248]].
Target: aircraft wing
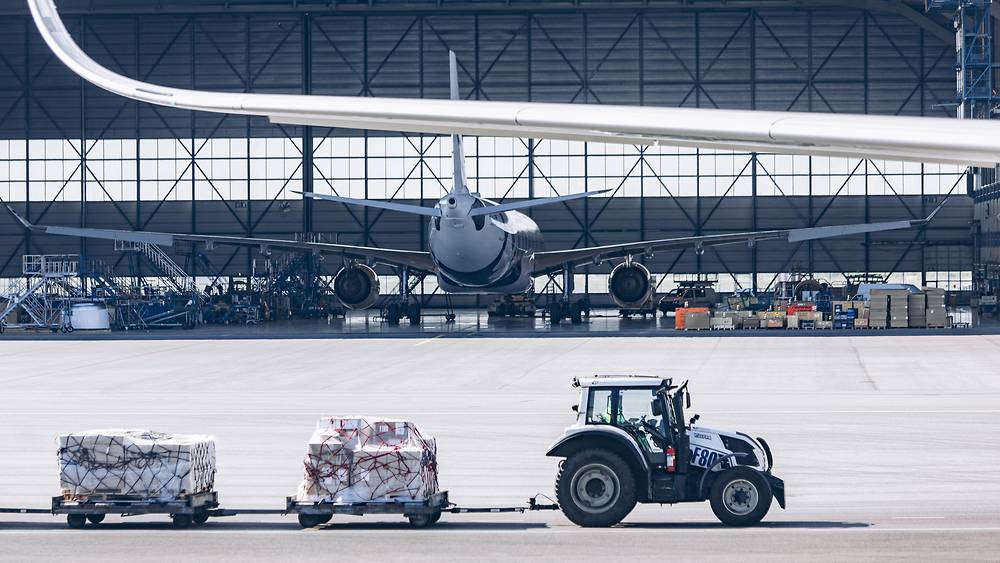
[[549, 262], [414, 259], [920, 139]]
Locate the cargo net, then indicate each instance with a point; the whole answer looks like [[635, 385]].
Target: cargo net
[[135, 464], [353, 460]]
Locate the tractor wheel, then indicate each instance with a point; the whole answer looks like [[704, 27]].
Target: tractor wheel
[[595, 488], [740, 496], [576, 313], [76, 521], [95, 518]]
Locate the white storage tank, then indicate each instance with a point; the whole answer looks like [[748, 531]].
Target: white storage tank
[[90, 316]]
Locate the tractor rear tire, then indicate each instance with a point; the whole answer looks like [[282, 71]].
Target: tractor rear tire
[[596, 488], [740, 496]]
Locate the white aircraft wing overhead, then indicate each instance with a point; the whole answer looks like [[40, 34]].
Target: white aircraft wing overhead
[[412, 258], [549, 262], [920, 139]]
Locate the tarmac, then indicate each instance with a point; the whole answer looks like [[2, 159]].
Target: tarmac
[[888, 444]]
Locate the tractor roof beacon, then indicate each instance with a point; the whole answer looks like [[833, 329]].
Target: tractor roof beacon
[[631, 443]]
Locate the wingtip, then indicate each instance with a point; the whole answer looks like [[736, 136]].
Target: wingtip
[[933, 214], [24, 222]]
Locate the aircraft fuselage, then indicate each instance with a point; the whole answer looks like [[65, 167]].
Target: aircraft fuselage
[[484, 254]]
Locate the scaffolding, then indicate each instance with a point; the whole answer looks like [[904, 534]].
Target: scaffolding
[[977, 98], [45, 294]]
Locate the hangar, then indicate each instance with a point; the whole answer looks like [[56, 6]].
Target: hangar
[[74, 155]]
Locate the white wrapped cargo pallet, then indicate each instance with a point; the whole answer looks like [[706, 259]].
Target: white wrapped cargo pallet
[[138, 464], [357, 459]]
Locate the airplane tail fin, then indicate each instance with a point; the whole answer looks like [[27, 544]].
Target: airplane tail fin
[[457, 149]]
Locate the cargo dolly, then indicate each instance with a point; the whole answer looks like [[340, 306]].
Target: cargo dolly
[[197, 509], [420, 514], [184, 512]]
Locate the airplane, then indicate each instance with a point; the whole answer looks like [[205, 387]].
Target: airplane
[[480, 246]]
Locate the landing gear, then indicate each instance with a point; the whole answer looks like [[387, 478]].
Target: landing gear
[[404, 306], [565, 307]]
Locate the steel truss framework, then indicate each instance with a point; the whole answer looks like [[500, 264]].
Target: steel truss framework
[[815, 59]]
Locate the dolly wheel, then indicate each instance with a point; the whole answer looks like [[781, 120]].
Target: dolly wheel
[[95, 518], [325, 518], [181, 521], [76, 521], [435, 517], [200, 518], [309, 520], [421, 520]]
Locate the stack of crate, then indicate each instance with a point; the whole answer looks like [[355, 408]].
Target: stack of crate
[[844, 314], [936, 313], [878, 310], [917, 303]]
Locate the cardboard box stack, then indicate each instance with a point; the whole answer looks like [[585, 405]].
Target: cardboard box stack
[[936, 313], [353, 459], [878, 310], [136, 464], [899, 307], [917, 305]]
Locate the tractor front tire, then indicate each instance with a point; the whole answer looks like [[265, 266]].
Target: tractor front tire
[[740, 496], [596, 488]]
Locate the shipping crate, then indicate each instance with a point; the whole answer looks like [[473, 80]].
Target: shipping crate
[[792, 322], [723, 323], [860, 323], [697, 320]]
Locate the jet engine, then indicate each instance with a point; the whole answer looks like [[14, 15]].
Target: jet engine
[[630, 285], [356, 286]]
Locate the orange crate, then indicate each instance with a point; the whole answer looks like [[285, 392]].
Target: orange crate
[[679, 315]]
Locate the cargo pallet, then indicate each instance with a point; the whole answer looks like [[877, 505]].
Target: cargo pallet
[[184, 512]]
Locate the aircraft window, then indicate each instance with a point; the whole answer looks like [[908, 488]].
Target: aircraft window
[[479, 221], [437, 223]]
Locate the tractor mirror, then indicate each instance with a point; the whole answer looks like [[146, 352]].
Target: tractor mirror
[[576, 408], [654, 407]]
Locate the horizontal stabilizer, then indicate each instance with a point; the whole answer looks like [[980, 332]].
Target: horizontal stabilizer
[[493, 209], [378, 204]]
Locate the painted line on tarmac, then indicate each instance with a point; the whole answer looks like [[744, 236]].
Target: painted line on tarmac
[[485, 413], [485, 530], [428, 341], [918, 517]]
